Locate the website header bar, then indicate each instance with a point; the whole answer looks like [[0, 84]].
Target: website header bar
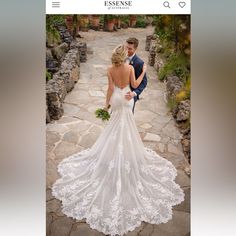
[[118, 7]]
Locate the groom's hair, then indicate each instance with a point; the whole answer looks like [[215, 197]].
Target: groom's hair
[[133, 41]]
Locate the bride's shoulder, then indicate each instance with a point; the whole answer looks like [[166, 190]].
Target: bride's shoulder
[[127, 66], [110, 68], [130, 67]]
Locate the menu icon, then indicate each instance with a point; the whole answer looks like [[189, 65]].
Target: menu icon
[[55, 4]]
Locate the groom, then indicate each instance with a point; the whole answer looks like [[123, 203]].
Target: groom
[[137, 63]]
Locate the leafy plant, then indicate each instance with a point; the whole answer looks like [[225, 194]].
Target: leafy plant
[[174, 28], [48, 75], [125, 19], [172, 103], [185, 91], [102, 19], [111, 17], [52, 34], [176, 65], [141, 22], [102, 114], [84, 21]]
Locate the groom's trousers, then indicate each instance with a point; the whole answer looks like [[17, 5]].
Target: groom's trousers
[[135, 100], [133, 107]]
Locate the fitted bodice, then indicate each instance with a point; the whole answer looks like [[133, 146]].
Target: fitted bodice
[[118, 99]]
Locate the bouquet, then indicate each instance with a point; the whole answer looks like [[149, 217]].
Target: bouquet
[[102, 113]]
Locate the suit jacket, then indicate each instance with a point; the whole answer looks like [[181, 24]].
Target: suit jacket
[[137, 63]]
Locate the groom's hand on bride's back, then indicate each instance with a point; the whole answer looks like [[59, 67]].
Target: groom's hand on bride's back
[[129, 95]]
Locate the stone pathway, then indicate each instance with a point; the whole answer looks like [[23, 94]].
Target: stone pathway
[[79, 128]]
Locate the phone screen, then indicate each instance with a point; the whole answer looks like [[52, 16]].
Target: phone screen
[[90, 49]]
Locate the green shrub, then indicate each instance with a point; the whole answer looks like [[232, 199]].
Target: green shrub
[[181, 71], [125, 19], [52, 34], [176, 65], [101, 19], [48, 75], [172, 103], [141, 22]]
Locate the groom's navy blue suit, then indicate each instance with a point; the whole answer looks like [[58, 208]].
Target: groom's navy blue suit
[[137, 63]]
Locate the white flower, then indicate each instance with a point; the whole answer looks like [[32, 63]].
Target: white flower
[[140, 186], [118, 186], [120, 148], [111, 165], [95, 183], [127, 166]]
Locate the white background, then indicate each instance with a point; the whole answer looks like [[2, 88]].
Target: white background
[[98, 7]]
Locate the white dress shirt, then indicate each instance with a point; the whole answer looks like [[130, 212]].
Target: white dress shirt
[[131, 57]]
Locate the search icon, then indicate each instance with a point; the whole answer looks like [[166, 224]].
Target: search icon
[[166, 4]]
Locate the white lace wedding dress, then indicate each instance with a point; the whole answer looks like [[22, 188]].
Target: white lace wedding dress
[[118, 183]]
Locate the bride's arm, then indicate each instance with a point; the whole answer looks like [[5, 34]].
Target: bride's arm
[[136, 82], [110, 88]]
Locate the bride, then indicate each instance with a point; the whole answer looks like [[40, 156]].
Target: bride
[[118, 183]]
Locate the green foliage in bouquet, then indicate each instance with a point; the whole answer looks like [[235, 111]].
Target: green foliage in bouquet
[[102, 114]]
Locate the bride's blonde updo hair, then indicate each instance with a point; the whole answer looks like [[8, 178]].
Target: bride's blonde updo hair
[[119, 55]]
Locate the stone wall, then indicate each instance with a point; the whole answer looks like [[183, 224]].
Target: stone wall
[[82, 51], [154, 46], [174, 84], [63, 80], [55, 95], [63, 62], [64, 33], [181, 112], [152, 49]]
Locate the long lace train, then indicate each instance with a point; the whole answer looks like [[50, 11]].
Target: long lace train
[[118, 183]]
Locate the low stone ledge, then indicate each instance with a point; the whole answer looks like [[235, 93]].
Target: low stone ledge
[[63, 82]]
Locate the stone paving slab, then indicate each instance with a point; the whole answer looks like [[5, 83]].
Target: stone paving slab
[[78, 129]]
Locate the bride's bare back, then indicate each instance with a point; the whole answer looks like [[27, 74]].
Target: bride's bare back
[[120, 75]]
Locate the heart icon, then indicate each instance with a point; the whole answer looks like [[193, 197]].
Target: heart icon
[[182, 4]]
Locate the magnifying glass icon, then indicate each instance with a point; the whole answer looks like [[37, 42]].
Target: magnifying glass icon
[[166, 4]]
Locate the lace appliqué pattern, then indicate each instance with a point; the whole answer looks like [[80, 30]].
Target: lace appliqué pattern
[[118, 183], [111, 165], [157, 209], [127, 166]]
